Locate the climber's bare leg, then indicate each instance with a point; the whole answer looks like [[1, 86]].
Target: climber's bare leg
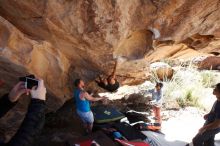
[[113, 74], [101, 80]]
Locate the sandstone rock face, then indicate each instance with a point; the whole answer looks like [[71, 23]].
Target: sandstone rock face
[[175, 51], [210, 63], [60, 40], [135, 46]]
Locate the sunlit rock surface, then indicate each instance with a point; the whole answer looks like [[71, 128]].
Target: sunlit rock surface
[[60, 40], [210, 63]]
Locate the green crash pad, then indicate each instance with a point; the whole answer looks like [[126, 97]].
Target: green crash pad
[[105, 114]]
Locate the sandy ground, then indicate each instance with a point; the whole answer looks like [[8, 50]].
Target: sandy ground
[[184, 126], [181, 125]]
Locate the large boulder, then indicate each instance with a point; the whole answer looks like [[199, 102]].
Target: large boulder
[[61, 40], [212, 63], [174, 52], [161, 71], [135, 46]]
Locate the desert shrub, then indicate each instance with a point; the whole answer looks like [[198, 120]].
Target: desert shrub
[[154, 78], [189, 86], [188, 100], [208, 79]]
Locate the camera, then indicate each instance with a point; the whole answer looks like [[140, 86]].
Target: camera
[[30, 81]]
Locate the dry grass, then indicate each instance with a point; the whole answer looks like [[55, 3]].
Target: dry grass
[[189, 86]]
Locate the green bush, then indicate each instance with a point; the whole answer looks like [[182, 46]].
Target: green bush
[[181, 102], [208, 79], [188, 100]]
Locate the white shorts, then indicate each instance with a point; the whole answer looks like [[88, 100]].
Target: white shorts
[[86, 117]]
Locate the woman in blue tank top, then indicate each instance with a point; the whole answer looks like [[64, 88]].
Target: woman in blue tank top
[[83, 99]]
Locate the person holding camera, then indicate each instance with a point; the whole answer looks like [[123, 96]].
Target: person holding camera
[[35, 117]]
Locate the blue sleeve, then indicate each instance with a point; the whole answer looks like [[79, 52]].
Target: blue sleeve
[[160, 96], [150, 91]]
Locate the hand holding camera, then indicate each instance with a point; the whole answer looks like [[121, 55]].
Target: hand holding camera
[[18, 90], [30, 81], [28, 84], [39, 92]]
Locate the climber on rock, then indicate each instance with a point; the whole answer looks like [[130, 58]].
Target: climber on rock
[[83, 99], [35, 117], [110, 83]]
